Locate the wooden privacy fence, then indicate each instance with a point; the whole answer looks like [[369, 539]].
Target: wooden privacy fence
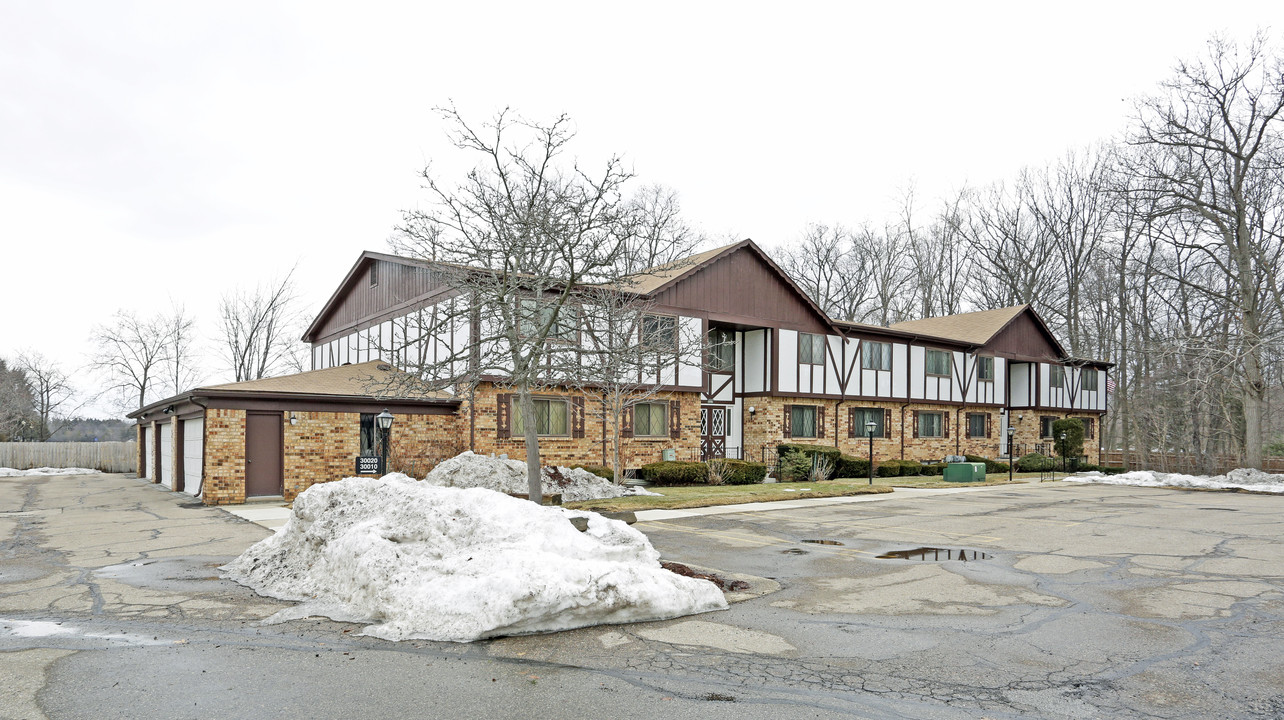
[[106, 456], [1188, 463]]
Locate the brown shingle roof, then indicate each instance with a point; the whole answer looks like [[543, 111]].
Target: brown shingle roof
[[976, 328], [359, 379], [648, 281]]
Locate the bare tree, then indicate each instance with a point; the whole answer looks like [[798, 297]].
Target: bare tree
[[627, 356], [258, 329], [1211, 149], [181, 369], [827, 267], [51, 390], [515, 240], [131, 352], [660, 235]]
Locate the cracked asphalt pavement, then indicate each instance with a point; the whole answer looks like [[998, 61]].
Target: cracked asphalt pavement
[[1094, 602]]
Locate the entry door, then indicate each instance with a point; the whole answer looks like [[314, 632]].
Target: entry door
[[713, 431], [264, 460]]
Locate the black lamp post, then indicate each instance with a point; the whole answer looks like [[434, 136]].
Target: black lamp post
[[1063, 452], [1011, 460], [869, 430], [384, 422]]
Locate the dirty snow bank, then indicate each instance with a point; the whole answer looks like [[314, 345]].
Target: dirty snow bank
[[1240, 479], [468, 470], [11, 472], [419, 561]]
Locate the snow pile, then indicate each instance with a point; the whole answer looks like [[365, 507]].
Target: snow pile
[[419, 561], [1240, 479], [11, 472], [468, 470]]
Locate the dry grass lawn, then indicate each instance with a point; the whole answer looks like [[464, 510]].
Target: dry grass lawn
[[692, 496]]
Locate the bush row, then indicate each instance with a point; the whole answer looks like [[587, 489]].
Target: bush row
[[742, 472]]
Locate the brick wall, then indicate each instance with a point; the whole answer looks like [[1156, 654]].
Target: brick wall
[[590, 449], [224, 467], [1027, 425]]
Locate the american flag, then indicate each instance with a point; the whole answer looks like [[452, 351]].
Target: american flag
[[1110, 384]]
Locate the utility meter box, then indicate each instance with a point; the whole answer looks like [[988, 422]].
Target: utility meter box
[[668, 454], [965, 472]]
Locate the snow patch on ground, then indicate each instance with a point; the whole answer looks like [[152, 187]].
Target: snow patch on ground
[[419, 561], [468, 470], [1240, 479], [11, 472]]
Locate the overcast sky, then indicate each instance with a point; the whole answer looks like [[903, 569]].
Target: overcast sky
[[158, 153]]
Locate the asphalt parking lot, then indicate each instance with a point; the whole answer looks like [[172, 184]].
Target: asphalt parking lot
[[1074, 602]]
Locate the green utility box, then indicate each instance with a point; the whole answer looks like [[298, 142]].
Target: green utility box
[[965, 472]]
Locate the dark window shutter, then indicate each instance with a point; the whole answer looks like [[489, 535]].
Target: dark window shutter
[[820, 421], [851, 422], [967, 427], [989, 431], [789, 421], [675, 419], [945, 424], [887, 423], [915, 423], [626, 422], [503, 409], [577, 417]]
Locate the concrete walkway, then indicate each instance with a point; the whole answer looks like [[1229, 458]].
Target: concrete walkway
[[273, 514]]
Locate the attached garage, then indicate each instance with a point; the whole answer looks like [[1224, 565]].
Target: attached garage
[[193, 447], [149, 452], [274, 438]]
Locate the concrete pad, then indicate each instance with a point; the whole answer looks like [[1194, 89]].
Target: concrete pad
[[1055, 564], [24, 676], [921, 589]]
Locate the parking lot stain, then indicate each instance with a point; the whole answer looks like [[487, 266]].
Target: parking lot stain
[[823, 542]]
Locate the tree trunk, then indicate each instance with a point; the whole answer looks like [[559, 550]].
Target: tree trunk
[[530, 433]]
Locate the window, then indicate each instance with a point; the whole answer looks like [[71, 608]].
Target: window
[[660, 332], [374, 274], [551, 417], [860, 416], [1045, 426], [802, 421], [1056, 376], [651, 420], [977, 424], [985, 369], [930, 425], [938, 362], [722, 350], [876, 355], [369, 433], [535, 316], [1088, 427], [811, 349], [1089, 378]]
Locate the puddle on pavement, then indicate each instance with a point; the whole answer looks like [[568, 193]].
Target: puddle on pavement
[[935, 554], [1222, 509], [793, 551], [823, 542]]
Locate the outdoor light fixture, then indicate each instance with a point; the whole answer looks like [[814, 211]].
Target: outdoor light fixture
[[384, 422], [169, 410], [1011, 460], [752, 410], [1063, 452], [869, 430]]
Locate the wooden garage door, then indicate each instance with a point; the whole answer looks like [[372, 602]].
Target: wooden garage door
[[149, 456], [193, 436], [166, 467]]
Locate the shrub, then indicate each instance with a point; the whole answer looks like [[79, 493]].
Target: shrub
[[1034, 462], [744, 472], [785, 450], [675, 473], [795, 467], [822, 469], [601, 471], [1073, 429], [934, 469], [991, 466], [911, 467], [852, 467], [889, 468]]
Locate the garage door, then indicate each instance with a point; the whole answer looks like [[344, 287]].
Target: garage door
[[193, 434], [167, 454], [149, 453]]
